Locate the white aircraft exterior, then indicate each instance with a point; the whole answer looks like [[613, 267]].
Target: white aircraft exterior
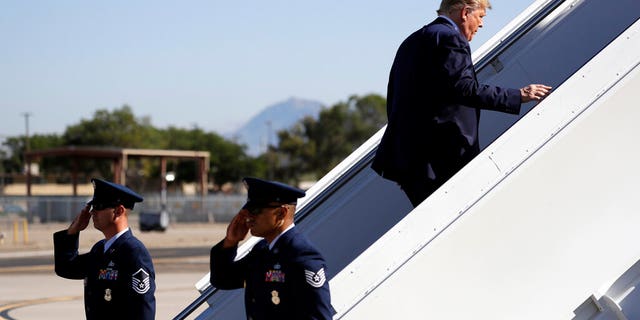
[[543, 224]]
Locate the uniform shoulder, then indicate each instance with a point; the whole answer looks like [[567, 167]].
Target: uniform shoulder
[[304, 251], [134, 245], [300, 241]]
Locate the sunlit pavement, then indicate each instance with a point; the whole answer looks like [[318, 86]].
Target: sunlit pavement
[[30, 290], [46, 296]]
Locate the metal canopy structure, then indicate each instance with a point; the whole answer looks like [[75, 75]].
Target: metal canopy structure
[[120, 157]]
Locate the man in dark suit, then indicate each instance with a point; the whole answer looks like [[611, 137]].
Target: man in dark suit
[[434, 102], [119, 279], [284, 275]]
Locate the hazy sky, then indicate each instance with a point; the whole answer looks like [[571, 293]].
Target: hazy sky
[[211, 64]]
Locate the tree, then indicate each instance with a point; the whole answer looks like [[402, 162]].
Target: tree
[[295, 153], [119, 128], [229, 161], [313, 147], [308, 149], [13, 160]]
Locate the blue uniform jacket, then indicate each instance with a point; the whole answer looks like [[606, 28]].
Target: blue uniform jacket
[[433, 106], [119, 283], [286, 282]]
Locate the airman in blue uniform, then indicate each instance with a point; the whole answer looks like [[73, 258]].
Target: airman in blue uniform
[[284, 275], [119, 279]]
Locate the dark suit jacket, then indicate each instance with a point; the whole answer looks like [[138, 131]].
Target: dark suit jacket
[[119, 283], [286, 282], [433, 106]]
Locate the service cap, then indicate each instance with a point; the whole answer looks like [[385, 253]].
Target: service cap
[[105, 192], [261, 192]]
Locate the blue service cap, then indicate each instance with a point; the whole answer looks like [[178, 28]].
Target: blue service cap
[[261, 192], [106, 192]]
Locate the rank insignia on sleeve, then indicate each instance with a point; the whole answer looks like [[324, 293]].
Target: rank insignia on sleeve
[[315, 279], [140, 281]]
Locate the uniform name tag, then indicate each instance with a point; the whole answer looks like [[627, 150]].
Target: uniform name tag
[[274, 276]]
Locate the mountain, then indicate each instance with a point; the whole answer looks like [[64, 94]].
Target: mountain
[[261, 130]]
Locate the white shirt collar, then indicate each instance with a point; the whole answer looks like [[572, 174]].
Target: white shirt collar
[[273, 243], [113, 239]]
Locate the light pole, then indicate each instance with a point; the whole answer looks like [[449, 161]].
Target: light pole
[[170, 176]]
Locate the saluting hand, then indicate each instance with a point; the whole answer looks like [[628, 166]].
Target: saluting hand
[[237, 230], [81, 221]]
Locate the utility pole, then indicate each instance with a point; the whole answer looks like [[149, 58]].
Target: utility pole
[[27, 148], [3, 174], [26, 124]]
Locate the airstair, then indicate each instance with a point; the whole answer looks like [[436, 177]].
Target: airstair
[[541, 225]]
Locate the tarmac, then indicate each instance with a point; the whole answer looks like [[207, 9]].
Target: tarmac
[[29, 288]]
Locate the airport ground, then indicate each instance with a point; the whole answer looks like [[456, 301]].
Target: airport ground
[[29, 288]]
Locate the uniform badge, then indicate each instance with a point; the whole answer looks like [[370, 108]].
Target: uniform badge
[[315, 279], [107, 294], [140, 281], [274, 276], [107, 274], [274, 297]]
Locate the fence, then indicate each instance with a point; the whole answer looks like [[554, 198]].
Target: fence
[[17, 227], [43, 209]]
